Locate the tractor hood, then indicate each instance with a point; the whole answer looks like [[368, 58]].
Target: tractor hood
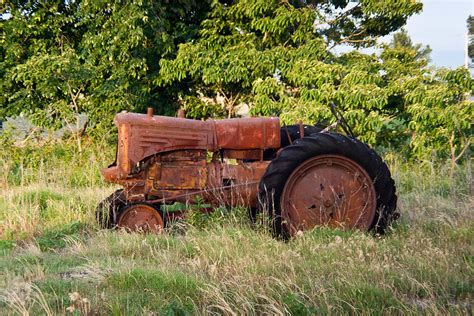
[[141, 136]]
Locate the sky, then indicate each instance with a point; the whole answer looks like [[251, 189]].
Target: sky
[[442, 25]]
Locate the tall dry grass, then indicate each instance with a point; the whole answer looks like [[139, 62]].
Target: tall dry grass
[[56, 261]]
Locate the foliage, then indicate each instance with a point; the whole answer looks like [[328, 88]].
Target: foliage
[[63, 58], [32, 160], [273, 58], [401, 39], [60, 58], [54, 239]]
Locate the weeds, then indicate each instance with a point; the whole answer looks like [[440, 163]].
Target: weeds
[[55, 260]]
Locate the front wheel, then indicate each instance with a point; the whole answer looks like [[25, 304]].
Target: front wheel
[[141, 217], [116, 212], [330, 180], [109, 209]]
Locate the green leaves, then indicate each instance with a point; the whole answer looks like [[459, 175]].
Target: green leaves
[[104, 53], [274, 57]]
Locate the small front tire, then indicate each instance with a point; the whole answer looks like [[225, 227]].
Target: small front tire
[[109, 210]]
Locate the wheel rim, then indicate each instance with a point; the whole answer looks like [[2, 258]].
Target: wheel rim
[[141, 217], [328, 190]]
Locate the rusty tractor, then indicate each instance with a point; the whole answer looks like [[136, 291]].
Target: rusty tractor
[[300, 176]]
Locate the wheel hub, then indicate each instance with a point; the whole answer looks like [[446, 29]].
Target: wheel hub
[[328, 190], [141, 217]]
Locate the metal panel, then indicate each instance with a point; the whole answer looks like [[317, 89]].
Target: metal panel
[[141, 136]]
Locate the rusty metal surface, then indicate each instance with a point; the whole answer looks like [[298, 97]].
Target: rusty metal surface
[[215, 181], [181, 113], [141, 136], [149, 112], [328, 190], [181, 170], [252, 154], [141, 217], [235, 184], [247, 133], [189, 175]]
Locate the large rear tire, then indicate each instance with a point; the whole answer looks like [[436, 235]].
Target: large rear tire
[[289, 134], [328, 179]]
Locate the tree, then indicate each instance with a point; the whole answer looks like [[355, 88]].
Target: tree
[[358, 23], [104, 53], [60, 58], [401, 39], [248, 40], [274, 57]]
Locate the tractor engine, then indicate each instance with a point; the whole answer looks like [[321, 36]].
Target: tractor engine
[[176, 159]]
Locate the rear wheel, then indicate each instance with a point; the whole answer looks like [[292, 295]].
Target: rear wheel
[[331, 180], [289, 134]]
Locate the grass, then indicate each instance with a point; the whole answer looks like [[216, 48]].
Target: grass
[[54, 259]]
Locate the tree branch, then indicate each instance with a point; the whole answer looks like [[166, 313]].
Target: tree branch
[[349, 40], [343, 14]]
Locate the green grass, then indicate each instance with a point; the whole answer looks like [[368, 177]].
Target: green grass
[[54, 259]]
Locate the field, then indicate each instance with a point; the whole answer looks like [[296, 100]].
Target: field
[[55, 260]]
